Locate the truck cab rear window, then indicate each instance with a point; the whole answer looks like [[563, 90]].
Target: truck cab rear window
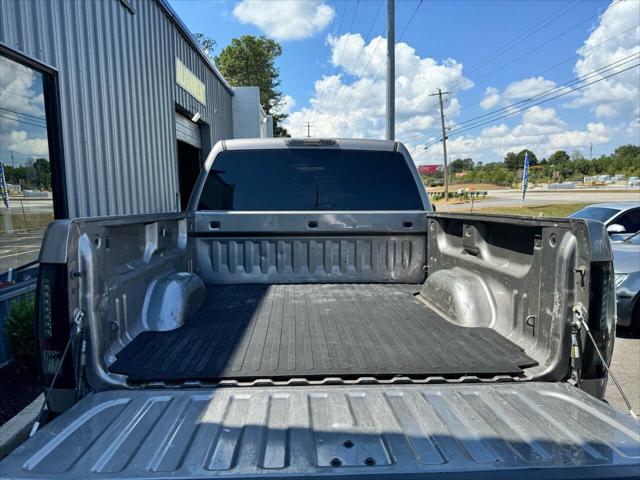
[[309, 179]]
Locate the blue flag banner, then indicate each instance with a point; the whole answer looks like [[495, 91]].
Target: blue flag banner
[[3, 187], [525, 176]]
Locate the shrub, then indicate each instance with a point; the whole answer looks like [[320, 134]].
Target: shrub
[[20, 332]]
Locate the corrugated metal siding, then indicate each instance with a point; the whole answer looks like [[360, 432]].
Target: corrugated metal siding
[[218, 99], [118, 96], [187, 131]]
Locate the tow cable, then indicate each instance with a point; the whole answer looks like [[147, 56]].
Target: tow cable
[[579, 322], [77, 328]]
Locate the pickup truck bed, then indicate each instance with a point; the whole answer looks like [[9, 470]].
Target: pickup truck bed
[[310, 316], [316, 331]]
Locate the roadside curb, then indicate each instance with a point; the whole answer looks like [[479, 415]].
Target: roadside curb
[[16, 430]]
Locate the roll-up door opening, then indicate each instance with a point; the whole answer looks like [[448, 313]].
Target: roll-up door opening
[[189, 156]]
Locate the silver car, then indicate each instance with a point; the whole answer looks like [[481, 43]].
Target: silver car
[[626, 264], [621, 218], [623, 224]]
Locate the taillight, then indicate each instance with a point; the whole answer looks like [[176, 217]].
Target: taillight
[[602, 319], [53, 326]]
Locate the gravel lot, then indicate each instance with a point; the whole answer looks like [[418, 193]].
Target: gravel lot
[[626, 367]]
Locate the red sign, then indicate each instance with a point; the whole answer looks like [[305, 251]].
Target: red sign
[[429, 169]]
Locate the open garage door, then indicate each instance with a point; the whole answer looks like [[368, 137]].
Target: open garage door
[[189, 156]]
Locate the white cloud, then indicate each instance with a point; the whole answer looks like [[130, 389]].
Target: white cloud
[[516, 91], [288, 102], [491, 98], [595, 133], [19, 90], [633, 129], [540, 130], [618, 95], [527, 88], [353, 105], [285, 19], [19, 141]]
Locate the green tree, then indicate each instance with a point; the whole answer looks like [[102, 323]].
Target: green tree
[[558, 157], [36, 174], [576, 155], [628, 152], [460, 165], [533, 160], [511, 161], [207, 44], [250, 61]]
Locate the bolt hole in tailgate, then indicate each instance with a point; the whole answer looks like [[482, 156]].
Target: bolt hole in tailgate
[[523, 430]]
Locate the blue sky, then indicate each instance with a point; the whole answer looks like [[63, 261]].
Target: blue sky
[[329, 68], [23, 129], [489, 54]]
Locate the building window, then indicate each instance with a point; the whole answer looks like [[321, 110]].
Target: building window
[[26, 199]]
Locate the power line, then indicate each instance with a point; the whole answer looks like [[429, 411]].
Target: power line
[[561, 86], [519, 39], [593, 47], [353, 17], [344, 46], [404, 30], [326, 57], [536, 48], [22, 121], [471, 127], [367, 38], [540, 95], [362, 50], [383, 65], [547, 21], [509, 114], [23, 114]]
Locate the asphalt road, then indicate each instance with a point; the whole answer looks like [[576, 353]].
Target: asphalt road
[[626, 367], [508, 198]]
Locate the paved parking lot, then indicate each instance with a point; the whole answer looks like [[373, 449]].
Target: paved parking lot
[[626, 367], [508, 198], [21, 231]]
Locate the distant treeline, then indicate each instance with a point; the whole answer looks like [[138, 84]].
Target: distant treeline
[[34, 176], [559, 167]]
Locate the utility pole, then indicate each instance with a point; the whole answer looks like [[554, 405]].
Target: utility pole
[[591, 151], [309, 129], [391, 70], [444, 142]]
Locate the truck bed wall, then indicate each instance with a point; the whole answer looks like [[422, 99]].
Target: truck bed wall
[[317, 247], [515, 275], [148, 272]]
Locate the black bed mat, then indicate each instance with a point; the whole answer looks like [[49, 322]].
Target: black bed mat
[[345, 330]]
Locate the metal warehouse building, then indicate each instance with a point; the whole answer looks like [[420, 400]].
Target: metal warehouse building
[[107, 107], [129, 102]]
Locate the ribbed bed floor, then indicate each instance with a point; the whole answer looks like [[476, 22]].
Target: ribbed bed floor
[[311, 331]]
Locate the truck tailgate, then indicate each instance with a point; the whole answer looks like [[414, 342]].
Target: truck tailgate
[[503, 430]]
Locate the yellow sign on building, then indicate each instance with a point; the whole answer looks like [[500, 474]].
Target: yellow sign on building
[[186, 79]]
